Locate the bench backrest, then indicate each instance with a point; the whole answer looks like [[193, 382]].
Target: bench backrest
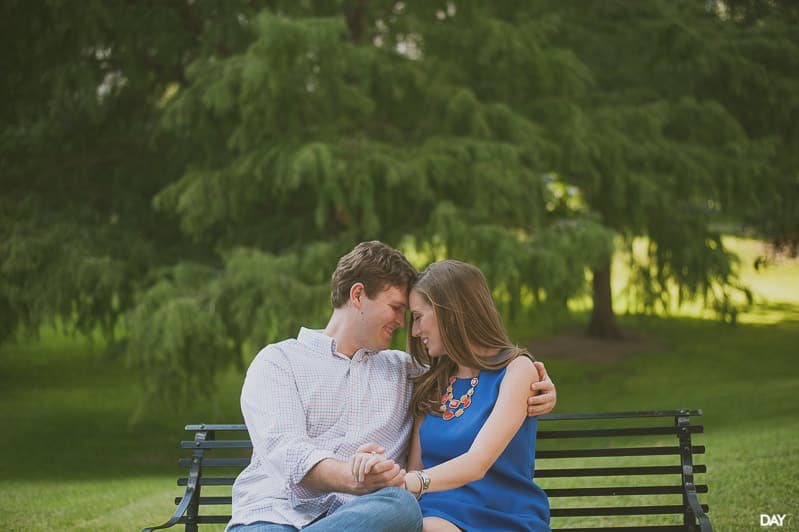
[[629, 469], [601, 471]]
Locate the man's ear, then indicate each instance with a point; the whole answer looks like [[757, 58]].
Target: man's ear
[[357, 291]]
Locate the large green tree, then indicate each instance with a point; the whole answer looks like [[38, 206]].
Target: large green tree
[[199, 166], [371, 123]]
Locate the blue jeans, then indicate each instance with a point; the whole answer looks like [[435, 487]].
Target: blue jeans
[[386, 510]]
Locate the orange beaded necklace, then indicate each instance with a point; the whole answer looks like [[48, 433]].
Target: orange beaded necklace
[[449, 406]]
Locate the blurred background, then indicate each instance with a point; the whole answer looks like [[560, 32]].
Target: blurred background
[[178, 179]]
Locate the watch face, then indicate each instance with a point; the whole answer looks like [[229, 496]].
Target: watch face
[[425, 479]]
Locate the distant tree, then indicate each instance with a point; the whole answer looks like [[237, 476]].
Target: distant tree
[[655, 146], [756, 78]]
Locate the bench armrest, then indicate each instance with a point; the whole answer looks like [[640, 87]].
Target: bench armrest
[[192, 488], [188, 495], [693, 502]]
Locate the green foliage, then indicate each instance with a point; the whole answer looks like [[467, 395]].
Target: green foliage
[[83, 154], [51, 270], [176, 336], [196, 320], [756, 78], [214, 159], [549, 265], [246, 294]]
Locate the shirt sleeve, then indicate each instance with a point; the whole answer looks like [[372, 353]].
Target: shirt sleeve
[[273, 412]]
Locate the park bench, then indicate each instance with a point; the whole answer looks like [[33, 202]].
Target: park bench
[[606, 471]]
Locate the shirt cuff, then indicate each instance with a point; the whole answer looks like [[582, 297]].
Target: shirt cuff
[[303, 460]]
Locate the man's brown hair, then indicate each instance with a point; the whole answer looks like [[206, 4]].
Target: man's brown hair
[[374, 264]]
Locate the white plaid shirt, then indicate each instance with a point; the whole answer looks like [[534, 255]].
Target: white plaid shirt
[[303, 402]]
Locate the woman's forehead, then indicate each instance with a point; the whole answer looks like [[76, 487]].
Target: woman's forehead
[[417, 300]]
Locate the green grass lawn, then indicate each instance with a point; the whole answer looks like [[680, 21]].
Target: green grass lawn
[[72, 460]]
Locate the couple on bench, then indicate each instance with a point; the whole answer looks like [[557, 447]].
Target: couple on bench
[[350, 435]]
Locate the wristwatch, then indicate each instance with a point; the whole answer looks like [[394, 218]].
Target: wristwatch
[[424, 479]]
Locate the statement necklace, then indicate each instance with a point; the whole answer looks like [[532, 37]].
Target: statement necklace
[[449, 406]]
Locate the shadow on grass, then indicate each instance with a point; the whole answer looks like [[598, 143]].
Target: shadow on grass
[[66, 412]]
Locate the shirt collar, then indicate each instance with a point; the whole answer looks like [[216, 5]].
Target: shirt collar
[[317, 341], [323, 344]]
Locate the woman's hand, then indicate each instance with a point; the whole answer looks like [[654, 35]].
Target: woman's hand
[[371, 470], [362, 463]]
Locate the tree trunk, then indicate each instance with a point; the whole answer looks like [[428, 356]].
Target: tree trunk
[[354, 14], [603, 321]]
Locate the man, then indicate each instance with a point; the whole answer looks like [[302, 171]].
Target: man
[[311, 402]]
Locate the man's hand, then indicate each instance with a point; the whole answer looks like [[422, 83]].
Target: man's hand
[[544, 396], [371, 470], [332, 474]]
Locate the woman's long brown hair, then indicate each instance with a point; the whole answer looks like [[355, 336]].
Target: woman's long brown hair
[[467, 320]]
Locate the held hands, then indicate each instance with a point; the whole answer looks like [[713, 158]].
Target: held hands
[[544, 396], [361, 464], [371, 470]]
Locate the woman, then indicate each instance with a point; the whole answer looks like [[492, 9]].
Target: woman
[[473, 446]]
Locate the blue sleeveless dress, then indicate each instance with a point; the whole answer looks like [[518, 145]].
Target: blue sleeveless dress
[[506, 499]]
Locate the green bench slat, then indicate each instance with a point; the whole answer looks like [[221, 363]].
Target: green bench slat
[[619, 510], [614, 471], [592, 433], [217, 462], [626, 451], [548, 417], [216, 444], [209, 481], [212, 501], [655, 528], [210, 426], [620, 490], [621, 415], [207, 520]]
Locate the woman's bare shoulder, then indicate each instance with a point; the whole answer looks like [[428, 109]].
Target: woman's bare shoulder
[[522, 365]]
